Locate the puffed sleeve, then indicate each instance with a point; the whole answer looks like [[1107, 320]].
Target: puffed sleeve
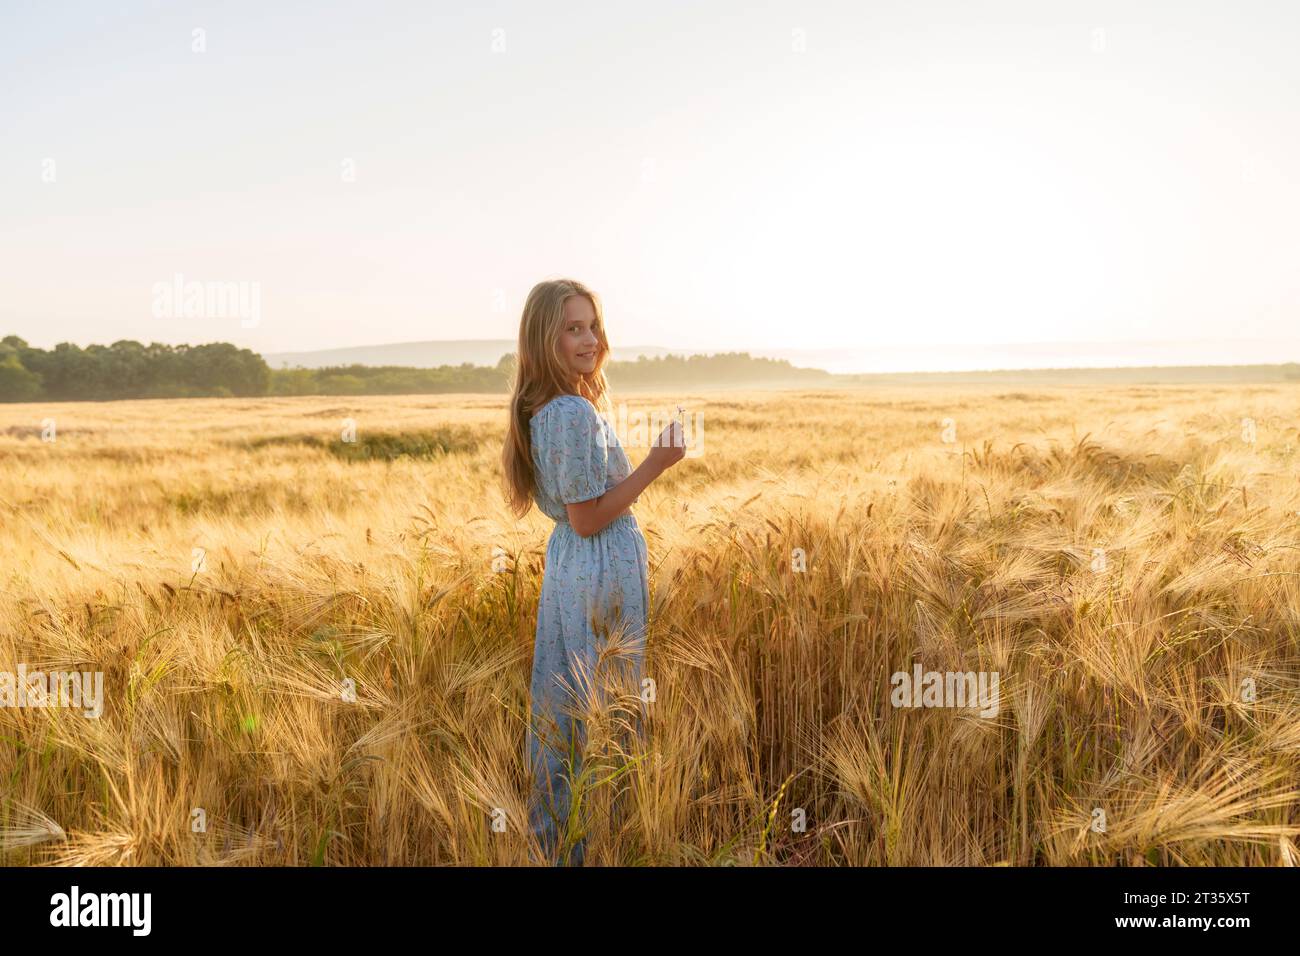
[[576, 456]]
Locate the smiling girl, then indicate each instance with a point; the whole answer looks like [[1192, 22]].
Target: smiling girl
[[562, 453]]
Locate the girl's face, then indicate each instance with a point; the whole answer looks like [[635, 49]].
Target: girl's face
[[579, 346]]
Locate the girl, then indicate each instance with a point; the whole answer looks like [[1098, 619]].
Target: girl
[[563, 454]]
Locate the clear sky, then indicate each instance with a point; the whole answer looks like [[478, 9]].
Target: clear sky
[[726, 174]]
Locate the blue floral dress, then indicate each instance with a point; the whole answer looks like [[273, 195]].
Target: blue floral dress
[[590, 587]]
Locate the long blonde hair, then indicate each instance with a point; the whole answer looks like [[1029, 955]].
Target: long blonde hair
[[541, 374]]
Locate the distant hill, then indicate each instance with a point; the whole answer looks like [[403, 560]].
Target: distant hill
[[430, 354]]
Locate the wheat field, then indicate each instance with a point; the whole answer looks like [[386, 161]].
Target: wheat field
[[1127, 560]]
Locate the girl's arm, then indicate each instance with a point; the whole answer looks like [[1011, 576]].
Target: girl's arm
[[591, 517]]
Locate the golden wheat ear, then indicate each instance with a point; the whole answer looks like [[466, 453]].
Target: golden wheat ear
[[1289, 855], [28, 827]]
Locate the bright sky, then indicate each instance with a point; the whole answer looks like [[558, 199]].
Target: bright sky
[[791, 175]]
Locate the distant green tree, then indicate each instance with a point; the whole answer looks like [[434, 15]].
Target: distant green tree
[[293, 381], [17, 384]]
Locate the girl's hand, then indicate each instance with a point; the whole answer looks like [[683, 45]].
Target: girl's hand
[[669, 448]]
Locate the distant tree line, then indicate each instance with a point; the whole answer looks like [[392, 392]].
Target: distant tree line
[[386, 380], [128, 369]]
